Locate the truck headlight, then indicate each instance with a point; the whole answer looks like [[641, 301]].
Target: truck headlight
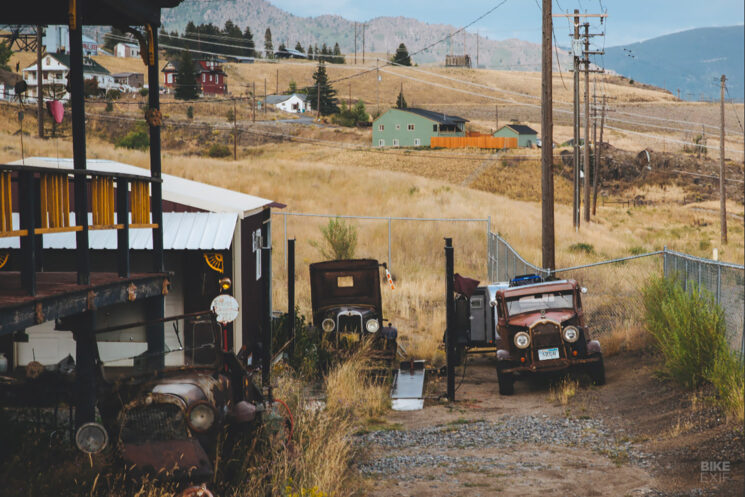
[[522, 340], [571, 334], [328, 325], [91, 438], [372, 325], [200, 416]]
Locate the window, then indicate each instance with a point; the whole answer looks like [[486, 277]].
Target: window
[[381, 127], [410, 127], [434, 128], [395, 142], [345, 281], [210, 77], [417, 142], [204, 78], [398, 126], [381, 143]]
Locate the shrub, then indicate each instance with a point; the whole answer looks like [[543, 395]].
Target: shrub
[[339, 240], [230, 115], [190, 112], [350, 116], [109, 106], [113, 94], [137, 139], [587, 248], [688, 328], [144, 92], [218, 150]]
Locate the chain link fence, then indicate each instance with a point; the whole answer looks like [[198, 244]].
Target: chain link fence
[[614, 299]]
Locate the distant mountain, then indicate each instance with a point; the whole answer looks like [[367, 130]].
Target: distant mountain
[[382, 34], [692, 61]]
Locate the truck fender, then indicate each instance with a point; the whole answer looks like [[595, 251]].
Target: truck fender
[[593, 347], [503, 355]]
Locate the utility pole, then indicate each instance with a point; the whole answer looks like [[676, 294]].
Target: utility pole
[[377, 84], [235, 133], [594, 140], [598, 157], [547, 137], [263, 107], [318, 100], [586, 160], [253, 94], [722, 190], [496, 117], [577, 50], [355, 43], [477, 49], [39, 83], [363, 43], [276, 89], [350, 94]]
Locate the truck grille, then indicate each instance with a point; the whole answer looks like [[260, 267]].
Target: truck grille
[[546, 335], [350, 323], [153, 423]]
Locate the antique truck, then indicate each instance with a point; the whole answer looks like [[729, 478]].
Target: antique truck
[[167, 423], [535, 327], [346, 302]]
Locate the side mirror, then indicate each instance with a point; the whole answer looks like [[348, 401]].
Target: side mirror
[[583, 290]]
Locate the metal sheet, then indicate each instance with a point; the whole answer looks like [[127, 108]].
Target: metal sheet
[[181, 231], [407, 404], [408, 389]]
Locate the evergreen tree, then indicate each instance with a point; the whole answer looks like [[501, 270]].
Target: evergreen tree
[[282, 52], [338, 58], [401, 101], [311, 55], [325, 53], [5, 53], [248, 37], [268, 47], [187, 87], [328, 102], [402, 56], [299, 48]]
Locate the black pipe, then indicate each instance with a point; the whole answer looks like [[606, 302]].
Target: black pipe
[[450, 332], [291, 294], [28, 202], [155, 163], [86, 357], [122, 235], [266, 275]]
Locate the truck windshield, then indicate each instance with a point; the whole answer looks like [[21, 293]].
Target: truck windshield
[[539, 302]]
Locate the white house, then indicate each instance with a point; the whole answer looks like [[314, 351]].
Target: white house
[[55, 67], [56, 40], [295, 103], [122, 49]]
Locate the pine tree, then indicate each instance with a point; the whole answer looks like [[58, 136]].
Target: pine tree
[[282, 52], [299, 48], [338, 58], [310, 51], [248, 37], [268, 47], [402, 56], [187, 87], [401, 101], [328, 101]]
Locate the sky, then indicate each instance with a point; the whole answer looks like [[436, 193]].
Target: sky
[[628, 20]]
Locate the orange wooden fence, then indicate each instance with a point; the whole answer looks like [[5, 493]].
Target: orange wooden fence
[[483, 141]]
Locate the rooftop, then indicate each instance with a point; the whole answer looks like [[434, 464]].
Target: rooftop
[[521, 129], [438, 117]]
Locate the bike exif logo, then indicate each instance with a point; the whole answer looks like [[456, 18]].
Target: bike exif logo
[[714, 471]]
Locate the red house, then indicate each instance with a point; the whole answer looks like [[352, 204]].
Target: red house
[[210, 76]]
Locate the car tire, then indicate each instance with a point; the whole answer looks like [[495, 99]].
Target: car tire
[[506, 383], [596, 371]]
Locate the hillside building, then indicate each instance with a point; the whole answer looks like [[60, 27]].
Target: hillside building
[[124, 50], [413, 127], [526, 136], [55, 68], [295, 103], [56, 40], [130, 79], [211, 78]]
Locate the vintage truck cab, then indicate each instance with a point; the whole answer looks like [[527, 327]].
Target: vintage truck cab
[[541, 328]]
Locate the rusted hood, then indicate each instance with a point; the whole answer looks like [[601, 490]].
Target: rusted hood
[[527, 320], [177, 457]]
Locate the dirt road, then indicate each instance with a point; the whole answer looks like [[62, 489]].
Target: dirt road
[[634, 436]]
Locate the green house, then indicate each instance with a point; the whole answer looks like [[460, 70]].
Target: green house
[[526, 136], [414, 127]]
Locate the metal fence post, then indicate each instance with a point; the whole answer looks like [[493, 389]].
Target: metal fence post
[[719, 283], [285, 236], [488, 246], [450, 318], [389, 244]]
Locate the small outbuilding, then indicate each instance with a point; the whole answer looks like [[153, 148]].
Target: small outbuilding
[[296, 103], [526, 136]]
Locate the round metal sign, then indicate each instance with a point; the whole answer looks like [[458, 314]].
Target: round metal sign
[[226, 308]]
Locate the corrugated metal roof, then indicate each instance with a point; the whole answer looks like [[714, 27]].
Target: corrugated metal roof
[[175, 189], [181, 231]]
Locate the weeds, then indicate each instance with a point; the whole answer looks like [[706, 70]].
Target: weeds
[[563, 391], [339, 240], [582, 247], [688, 329]]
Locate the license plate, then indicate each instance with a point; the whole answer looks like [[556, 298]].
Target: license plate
[[544, 354]]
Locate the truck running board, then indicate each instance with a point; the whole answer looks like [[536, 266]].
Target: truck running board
[[408, 387]]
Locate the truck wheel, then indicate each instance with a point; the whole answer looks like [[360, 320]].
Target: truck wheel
[[506, 383], [596, 371]]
